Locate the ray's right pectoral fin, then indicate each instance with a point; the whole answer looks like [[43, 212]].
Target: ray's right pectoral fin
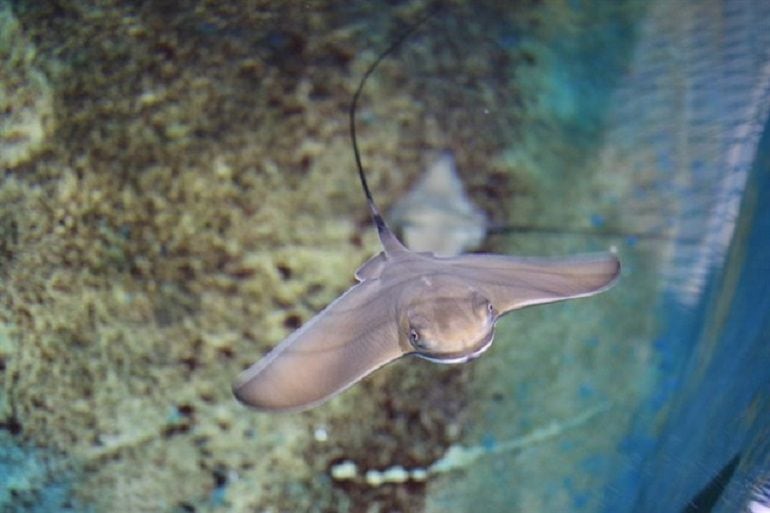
[[345, 342], [513, 282]]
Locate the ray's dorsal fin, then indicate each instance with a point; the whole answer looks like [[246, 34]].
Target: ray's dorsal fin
[[389, 241]]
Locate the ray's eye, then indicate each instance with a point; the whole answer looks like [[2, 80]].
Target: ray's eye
[[414, 339], [491, 309]]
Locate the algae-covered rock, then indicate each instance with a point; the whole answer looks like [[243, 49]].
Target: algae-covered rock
[[26, 98], [198, 202]]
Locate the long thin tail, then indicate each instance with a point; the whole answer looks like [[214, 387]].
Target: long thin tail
[[382, 228]]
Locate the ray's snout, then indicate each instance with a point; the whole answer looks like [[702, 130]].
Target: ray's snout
[[462, 356]]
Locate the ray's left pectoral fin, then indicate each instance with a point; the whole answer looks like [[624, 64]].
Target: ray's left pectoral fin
[[349, 339], [513, 282]]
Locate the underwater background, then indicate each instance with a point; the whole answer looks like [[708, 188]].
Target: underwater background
[[179, 194]]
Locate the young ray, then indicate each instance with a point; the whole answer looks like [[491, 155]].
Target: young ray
[[408, 303]]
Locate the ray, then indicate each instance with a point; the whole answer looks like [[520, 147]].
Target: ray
[[410, 303]]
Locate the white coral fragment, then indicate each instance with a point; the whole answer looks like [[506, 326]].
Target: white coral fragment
[[459, 457]]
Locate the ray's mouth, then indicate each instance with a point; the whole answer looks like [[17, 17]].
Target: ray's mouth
[[462, 356]]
